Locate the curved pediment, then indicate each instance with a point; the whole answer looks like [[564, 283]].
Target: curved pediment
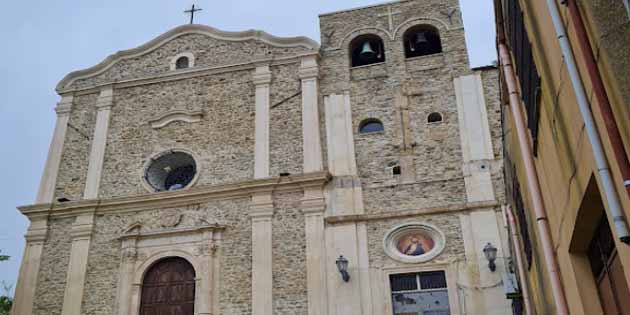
[[242, 44]]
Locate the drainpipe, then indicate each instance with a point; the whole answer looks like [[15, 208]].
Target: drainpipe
[[533, 185], [600, 93], [614, 206], [520, 263]]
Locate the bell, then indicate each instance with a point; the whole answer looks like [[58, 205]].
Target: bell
[[367, 52], [421, 38]]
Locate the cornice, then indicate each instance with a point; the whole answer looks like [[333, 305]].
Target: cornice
[[468, 206], [178, 198], [155, 43]]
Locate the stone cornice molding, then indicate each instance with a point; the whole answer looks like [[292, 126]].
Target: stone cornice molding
[[157, 42], [162, 120], [174, 231], [168, 199], [468, 206]]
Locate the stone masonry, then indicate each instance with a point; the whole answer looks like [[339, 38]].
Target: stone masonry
[[285, 183]]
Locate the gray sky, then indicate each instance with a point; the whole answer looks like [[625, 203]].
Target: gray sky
[[45, 40]]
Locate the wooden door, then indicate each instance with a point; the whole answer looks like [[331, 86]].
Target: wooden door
[[169, 288]]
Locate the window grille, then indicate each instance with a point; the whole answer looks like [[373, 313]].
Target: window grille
[[519, 206], [423, 293], [525, 66]]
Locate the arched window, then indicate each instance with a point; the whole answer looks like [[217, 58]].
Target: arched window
[[366, 50], [371, 125], [434, 118], [182, 63], [168, 287], [422, 40]]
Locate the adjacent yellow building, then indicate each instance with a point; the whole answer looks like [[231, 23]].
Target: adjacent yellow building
[[571, 219]]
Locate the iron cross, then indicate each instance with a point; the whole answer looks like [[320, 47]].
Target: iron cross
[[192, 13]]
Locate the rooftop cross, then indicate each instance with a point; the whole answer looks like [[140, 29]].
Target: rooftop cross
[[192, 13]]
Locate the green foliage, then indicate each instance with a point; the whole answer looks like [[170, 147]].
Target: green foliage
[[5, 299]]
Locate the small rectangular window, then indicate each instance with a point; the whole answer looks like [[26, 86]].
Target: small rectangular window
[[420, 293]]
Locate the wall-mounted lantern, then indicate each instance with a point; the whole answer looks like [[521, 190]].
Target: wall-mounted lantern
[[491, 255], [342, 266]]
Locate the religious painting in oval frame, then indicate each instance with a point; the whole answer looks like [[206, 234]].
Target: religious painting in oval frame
[[414, 242]]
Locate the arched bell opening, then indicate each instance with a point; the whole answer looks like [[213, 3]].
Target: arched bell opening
[[422, 40], [366, 50]]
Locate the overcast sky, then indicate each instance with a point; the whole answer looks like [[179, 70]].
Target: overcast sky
[[44, 40]]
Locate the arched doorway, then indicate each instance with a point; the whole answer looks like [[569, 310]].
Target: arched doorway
[[168, 288]]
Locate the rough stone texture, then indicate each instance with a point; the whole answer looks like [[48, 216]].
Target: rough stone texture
[[289, 256], [223, 140], [76, 149], [447, 223], [51, 282], [285, 125], [208, 52]]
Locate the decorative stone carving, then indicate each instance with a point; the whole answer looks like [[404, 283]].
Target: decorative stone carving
[[171, 220], [170, 116], [414, 242]]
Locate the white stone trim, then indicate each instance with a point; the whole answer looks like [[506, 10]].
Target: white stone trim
[[311, 137], [262, 80], [189, 55], [48, 181], [261, 212], [198, 245], [162, 120], [392, 236], [440, 25], [340, 135], [155, 43], [313, 206], [35, 237], [99, 141], [77, 266], [157, 155], [450, 271]]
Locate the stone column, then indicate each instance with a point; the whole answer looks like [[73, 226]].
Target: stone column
[[29, 270], [313, 206], [125, 282], [97, 153], [47, 184], [261, 212], [309, 74], [262, 80], [77, 266]]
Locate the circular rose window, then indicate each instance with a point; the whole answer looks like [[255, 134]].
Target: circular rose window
[[414, 242], [171, 170]]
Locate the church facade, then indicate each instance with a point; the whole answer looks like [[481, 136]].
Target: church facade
[[212, 172]]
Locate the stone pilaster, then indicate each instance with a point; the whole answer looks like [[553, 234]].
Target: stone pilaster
[[309, 74], [314, 206], [97, 153], [261, 212], [29, 270], [125, 282], [47, 184], [262, 81], [207, 273], [474, 132], [77, 266]]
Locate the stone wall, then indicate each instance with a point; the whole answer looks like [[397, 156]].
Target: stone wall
[[51, 282], [76, 148], [223, 139], [208, 52]]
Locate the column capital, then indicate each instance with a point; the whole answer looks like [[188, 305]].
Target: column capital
[[262, 75], [261, 206], [106, 98], [38, 230], [309, 68], [82, 227], [64, 107]]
